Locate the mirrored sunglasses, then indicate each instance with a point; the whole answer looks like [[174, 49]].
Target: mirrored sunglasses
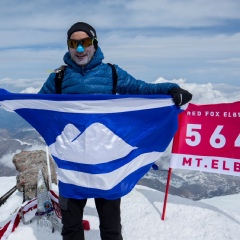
[[85, 42]]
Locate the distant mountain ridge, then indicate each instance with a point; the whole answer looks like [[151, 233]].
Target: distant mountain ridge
[[15, 135], [12, 122], [184, 183]]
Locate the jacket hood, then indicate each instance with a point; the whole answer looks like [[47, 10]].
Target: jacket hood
[[96, 60]]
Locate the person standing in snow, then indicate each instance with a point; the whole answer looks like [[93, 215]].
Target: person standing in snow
[[87, 74]]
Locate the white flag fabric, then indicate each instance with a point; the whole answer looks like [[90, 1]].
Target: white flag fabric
[[102, 144]]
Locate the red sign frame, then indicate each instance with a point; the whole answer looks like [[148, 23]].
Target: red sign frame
[[208, 139]]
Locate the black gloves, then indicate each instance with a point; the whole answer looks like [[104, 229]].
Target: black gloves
[[180, 96]]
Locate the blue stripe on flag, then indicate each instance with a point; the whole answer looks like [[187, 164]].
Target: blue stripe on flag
[[121, 189], [96, 168]]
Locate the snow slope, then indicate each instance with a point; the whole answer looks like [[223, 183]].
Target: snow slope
[[211, 219]]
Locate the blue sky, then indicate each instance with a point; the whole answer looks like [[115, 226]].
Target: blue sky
[[197, 40]]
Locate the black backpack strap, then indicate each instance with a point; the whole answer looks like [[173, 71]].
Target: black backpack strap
[[60, 74], [114, 77], [59, 78]]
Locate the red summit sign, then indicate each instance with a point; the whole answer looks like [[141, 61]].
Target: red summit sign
[[208, 139]]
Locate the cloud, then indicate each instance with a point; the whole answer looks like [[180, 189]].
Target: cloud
[[6, 160], [202, 93], [23, 68], [190, 57], [230, 60], [208, 93], [54, 15], [172, 39], [31, 90], [20, 83], [183, 13]]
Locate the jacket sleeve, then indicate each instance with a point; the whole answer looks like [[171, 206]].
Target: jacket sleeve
[[49, 86], [129, 85]]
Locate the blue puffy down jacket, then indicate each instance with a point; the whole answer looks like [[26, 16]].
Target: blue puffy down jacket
[[96, 78]]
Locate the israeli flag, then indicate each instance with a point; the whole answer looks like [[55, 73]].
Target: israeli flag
[[102, 144]]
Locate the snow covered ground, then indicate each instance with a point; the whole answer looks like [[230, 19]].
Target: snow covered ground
[[210, 219]]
